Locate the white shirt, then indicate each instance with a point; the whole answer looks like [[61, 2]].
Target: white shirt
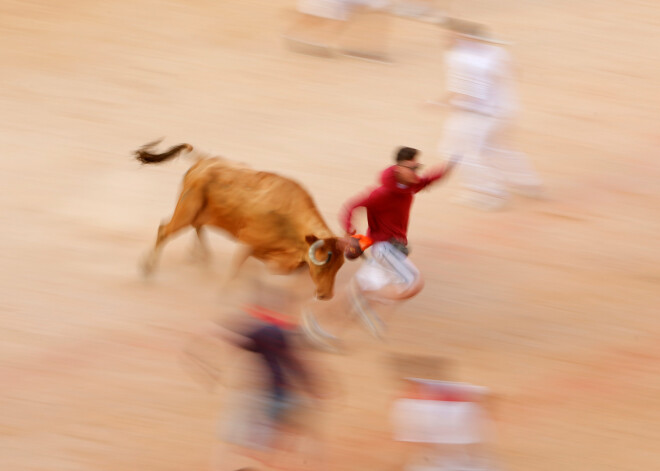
[[480, 76]]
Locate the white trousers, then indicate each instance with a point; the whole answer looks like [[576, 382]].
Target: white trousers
[[386, 266], [488, 165]]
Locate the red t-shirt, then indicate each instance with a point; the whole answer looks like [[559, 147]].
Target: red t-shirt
[[388, 206]]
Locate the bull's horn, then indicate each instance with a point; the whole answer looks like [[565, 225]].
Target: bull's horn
[[312, 253]]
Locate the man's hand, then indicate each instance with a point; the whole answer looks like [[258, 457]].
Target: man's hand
[[352, 246], [441, 170], [342, 243], [453, 161]]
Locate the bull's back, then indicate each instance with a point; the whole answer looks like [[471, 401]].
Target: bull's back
[[255, 207]]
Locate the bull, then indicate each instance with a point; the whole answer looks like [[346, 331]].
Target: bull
[[274, 217]]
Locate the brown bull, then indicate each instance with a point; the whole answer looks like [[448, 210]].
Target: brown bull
[[273, 216]]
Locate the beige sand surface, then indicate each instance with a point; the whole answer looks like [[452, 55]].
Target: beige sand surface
[[552, 304]]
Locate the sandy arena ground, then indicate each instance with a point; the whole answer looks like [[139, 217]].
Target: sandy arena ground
[[552, 304]]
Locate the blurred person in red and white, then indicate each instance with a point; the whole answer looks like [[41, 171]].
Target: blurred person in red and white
[[275, 407], [447, 426]]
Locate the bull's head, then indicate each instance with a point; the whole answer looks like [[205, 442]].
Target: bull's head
[[324, 257]]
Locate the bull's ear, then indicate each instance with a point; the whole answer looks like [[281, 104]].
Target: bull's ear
[[311, 238]]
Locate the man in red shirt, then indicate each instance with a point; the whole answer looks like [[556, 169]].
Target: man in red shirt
[[388, 275], [388, 212]]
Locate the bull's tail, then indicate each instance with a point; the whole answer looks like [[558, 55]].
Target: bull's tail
[[145, 155]]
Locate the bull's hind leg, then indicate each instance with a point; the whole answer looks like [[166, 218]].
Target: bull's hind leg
[[190, 203]]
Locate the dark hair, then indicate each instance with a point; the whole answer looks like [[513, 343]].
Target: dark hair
[[406, 153]]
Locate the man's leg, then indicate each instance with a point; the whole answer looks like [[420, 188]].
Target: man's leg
[[406, 280], [324, 322], [458, 138], [361, 306], [482, 182], [389, 278], [515, 168]]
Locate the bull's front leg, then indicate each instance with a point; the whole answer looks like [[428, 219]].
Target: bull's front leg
[[200, 250]]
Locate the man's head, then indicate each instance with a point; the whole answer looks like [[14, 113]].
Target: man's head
[[405, 154], [407, 166]]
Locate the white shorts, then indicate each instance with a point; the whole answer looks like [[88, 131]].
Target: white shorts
[[386, 266]]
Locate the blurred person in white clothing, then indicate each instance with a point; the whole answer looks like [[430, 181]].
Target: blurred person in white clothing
[[322, 23], [482, 104]]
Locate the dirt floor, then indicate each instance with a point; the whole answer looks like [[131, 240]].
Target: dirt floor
[[551, 304]]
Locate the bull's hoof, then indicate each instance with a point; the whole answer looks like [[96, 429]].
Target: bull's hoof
[[147, 266]]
